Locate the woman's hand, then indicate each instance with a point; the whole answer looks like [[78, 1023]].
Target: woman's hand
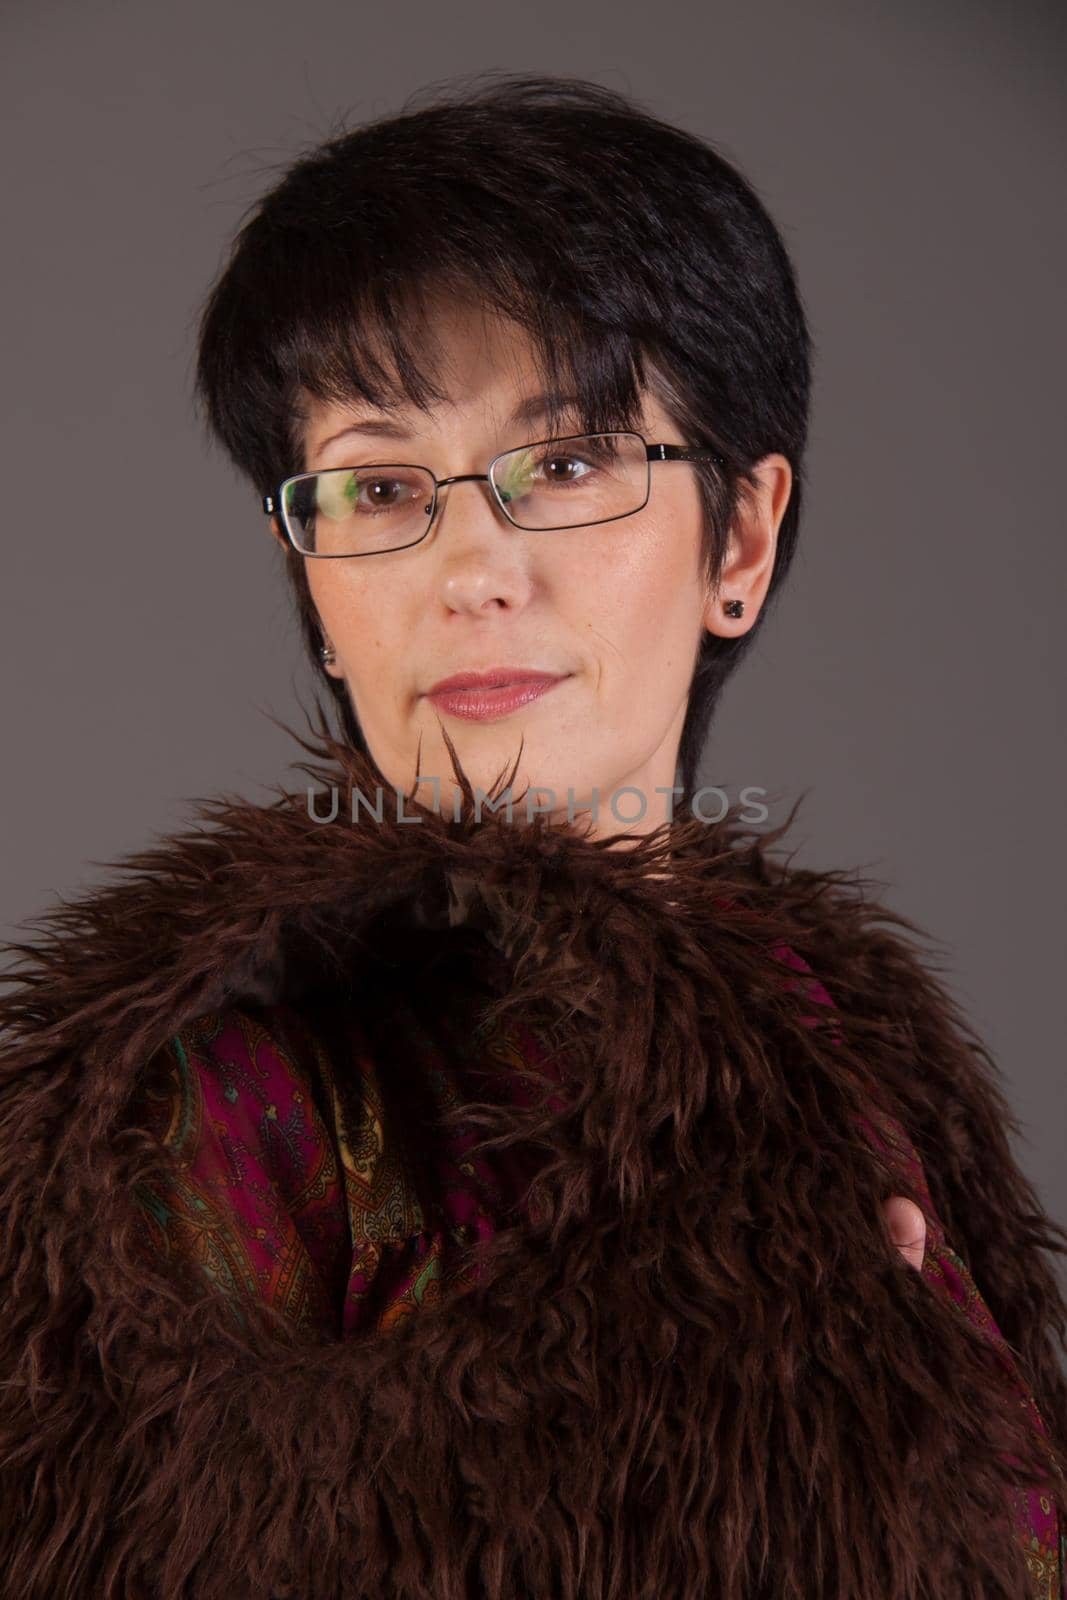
[[907, 1225]]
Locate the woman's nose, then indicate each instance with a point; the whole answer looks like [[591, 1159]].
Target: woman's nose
[[481, 556]]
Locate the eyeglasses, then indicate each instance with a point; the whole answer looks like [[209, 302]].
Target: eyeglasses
[[573, 482]]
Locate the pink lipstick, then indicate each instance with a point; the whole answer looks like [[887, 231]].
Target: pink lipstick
[[485, 696]]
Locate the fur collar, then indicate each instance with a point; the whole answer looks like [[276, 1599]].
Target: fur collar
[[698, 1368]]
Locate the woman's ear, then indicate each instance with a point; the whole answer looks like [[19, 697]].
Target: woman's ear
[[753, 542]]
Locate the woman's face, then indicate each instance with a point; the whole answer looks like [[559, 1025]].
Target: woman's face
[[614, 612]]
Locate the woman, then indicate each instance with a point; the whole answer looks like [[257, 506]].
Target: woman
[[472, 1204]]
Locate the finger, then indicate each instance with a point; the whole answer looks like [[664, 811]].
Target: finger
[[907, 1228]]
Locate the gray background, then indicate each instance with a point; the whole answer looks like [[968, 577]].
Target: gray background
[[910, 681]]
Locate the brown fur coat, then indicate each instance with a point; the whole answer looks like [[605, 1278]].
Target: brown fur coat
[[701, 1369]]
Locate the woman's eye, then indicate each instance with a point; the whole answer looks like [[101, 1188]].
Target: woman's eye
[[381, 492], [559, 469], [378, 490]]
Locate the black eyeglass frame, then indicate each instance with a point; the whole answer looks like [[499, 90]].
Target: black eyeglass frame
[[273, 505]]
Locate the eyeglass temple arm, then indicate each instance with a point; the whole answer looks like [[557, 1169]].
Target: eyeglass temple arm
[[682, 452]]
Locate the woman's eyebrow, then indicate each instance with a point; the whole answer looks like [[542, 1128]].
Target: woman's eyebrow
[[379, 427], [535, 406], [530, 409]]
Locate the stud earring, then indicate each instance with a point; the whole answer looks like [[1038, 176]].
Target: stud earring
[[328, 655], [734, 608]]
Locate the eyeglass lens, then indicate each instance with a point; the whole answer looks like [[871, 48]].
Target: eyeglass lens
[[565, 483]]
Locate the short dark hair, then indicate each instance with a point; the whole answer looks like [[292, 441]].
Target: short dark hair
[[631, 253]]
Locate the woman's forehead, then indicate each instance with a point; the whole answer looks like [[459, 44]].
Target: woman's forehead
[[494, 385]]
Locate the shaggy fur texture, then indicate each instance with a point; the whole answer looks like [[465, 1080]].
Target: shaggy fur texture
[[701, 1369]]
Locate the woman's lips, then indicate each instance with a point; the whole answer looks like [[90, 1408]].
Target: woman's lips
[[485, 703]]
